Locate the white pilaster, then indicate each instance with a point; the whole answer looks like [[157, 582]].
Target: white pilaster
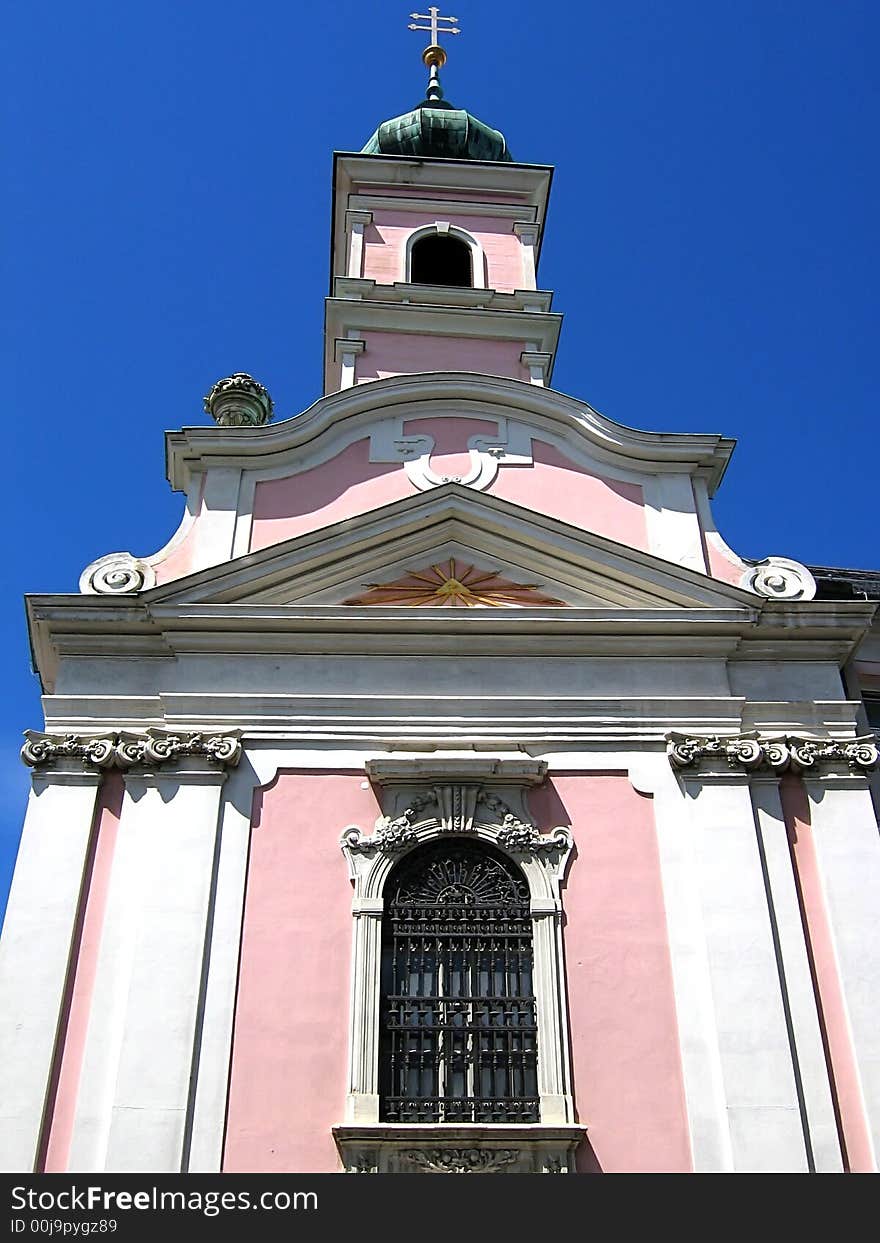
[[41, 920], [355, 223], [538, 364], [135, 1082], [528, 239], [673, 525], [848, 851], [346, 350], [800, 998], [205, 1155], [691, 975], [215, 529], [554, 1088], [760, 1091], [362, 1103]]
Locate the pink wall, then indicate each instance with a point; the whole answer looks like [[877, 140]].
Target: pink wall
[[290, 1057], [628, 1081], [84, 961], [556, 486], [721, 566], [180, 560], [350, 484], [290, 1042], [408, 353], [385, 246], [842, 1070]]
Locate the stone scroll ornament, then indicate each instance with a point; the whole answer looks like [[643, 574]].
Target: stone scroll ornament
[[458, 813], [130, 748], [779, 578], [117, 574], [776, 752]]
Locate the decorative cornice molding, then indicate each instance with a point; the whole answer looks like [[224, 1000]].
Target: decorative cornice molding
[[777, 752], [127, 749], [189, 448]]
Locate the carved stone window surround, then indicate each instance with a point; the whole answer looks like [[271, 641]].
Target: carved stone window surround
[[425, 798]]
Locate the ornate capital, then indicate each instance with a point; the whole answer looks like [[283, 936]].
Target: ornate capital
[[777, 752], [779, 578], [129, 748], [117, 574], [238, 400], [96, 750]]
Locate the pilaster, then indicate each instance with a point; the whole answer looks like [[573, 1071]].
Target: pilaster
[[796, 981], [845, 834], [760, 1089], [138, 1060], [35, 950], [355, 223]]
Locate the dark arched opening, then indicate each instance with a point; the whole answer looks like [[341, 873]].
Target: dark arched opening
[[441, 259], [459, 1032]]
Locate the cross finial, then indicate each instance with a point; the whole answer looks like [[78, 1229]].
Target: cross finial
[[434, 54]]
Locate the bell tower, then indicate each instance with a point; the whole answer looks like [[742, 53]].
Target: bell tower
[[436, 235]]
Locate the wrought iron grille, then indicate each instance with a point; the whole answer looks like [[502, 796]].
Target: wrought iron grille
[[459, 1037]]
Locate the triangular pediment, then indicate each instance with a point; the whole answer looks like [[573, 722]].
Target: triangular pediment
[[525, 560]]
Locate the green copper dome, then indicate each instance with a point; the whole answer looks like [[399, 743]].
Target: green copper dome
[[436, 129]]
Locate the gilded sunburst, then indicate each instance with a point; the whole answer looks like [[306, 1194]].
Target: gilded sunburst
[[454, 586]]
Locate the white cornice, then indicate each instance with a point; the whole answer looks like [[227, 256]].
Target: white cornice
[[353, 288], [343, 315], [525, 212], [525, 187], [195, 449], [264, 602]]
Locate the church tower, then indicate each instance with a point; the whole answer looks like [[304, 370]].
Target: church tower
[[445, 795]]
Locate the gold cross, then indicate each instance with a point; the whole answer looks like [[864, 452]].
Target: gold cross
[[433, 16]]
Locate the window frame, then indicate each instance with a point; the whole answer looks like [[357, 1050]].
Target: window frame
[[491, 812], [443, 228]]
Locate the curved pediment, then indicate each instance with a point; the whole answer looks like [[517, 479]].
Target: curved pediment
[[445, 394]]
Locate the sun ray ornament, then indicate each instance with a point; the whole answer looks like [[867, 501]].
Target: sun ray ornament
[[451, 585]]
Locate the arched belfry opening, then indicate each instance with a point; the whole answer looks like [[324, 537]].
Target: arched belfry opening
[[441, 259], [458, 1020]]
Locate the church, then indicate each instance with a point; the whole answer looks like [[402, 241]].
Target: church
[[446, 796]]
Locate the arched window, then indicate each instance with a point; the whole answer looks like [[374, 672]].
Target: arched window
[[441, 259], [458, 1022]]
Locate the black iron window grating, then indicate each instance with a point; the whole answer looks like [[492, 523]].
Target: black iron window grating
[[459, 1032]]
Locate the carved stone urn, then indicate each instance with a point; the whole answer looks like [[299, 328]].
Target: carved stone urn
[[239, 400]]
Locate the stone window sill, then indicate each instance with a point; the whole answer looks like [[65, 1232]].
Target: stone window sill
[[465, 1148]]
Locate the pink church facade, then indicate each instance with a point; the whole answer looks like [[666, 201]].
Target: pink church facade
[[446, 623]]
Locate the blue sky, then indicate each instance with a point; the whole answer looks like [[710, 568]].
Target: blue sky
[[712, 240]]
